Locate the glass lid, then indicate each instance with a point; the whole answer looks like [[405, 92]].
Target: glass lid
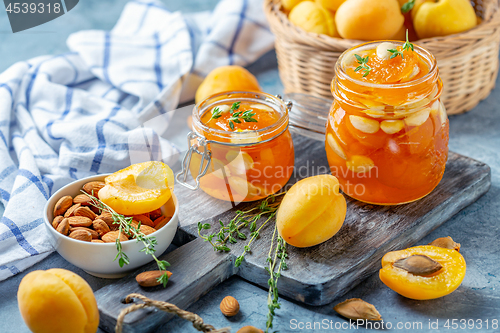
[[308, 115]]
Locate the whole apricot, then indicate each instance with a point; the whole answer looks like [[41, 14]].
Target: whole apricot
[[312, 17], [312, 211], [289, 4], [332, 5], [226, 78], [368, 19], [434, 273], [400, 35], [57, 301], [443, 17]]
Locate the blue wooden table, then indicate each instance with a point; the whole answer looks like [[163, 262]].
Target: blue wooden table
[[477, 228]]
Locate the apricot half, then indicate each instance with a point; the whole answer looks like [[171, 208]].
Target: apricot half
[[312, 211], [138, 189], [414, 285], [57, 301]]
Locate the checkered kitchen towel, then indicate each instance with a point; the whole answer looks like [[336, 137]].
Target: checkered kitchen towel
[[73, 115]]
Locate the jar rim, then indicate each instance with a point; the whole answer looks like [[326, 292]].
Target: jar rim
[[433, 69], [276, 102]]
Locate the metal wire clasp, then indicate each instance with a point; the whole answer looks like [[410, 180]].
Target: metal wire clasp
[[206, 156], [289, 104]]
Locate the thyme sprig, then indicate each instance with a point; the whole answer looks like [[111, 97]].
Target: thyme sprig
[[407, 6], [274, 274], [216, 113], [246, 116], [234, 107], [407, 46], [253, 236], [236, 117], [232, 231], [125, 226], [363, 65]]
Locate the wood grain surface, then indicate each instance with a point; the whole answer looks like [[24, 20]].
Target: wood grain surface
[[316, 275]]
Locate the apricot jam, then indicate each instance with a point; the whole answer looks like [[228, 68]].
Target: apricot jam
[[387, 131], [250, 147]]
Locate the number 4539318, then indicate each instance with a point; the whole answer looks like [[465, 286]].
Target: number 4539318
[[32, 8], [471, 324]]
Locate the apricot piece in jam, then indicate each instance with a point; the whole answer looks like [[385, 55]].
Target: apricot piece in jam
[[423, 272], [393, 70]]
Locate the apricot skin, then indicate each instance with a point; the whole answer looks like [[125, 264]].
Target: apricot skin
[[368, 19], [312, 211], [417, 287], [312, 17], [224, 79], [57, 301]]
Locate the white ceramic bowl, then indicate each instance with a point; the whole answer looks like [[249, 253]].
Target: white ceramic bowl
[[97, 258]]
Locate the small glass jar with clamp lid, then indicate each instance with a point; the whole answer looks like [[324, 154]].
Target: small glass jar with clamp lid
[[241, 148]]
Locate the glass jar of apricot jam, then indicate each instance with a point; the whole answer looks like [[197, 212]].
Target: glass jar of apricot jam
[[387, 130], [240, 148]]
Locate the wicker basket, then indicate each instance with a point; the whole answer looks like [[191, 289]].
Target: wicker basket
[[468, 62]]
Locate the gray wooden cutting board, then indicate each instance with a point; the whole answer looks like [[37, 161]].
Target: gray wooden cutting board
[[316, 275]]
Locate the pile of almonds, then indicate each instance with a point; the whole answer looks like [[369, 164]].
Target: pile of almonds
[[78, 219]]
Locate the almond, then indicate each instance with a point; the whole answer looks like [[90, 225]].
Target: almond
[[96, 210], [144, 220], [62, 205], [446, 242], [335, 146], [150, 278], [97, 241], [100, 227], [356, 308], [85, 211], [365, 125], [418, 118], [81, 234], [82, 199], [161, 222], [155, 214], [71, 210], [79, 221], [391, 126], [382, 50], [147, 230], [93, 188], [56, 221], [63, 227], [112, 236], [229, 306], [94, 233], [106, 217]]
